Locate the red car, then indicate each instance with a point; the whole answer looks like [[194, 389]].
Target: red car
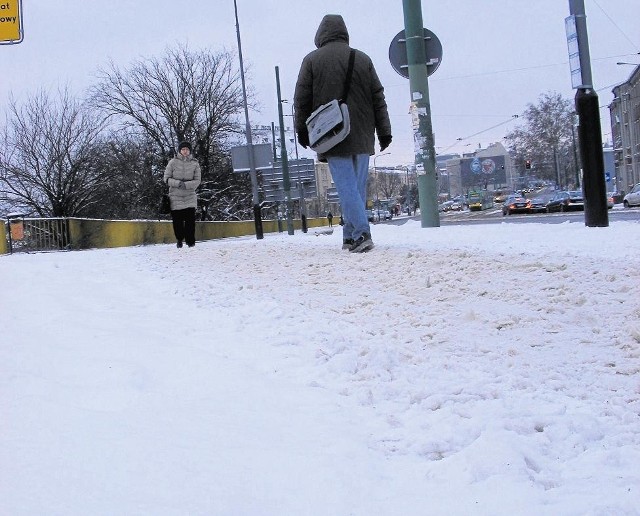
[[516, 204]]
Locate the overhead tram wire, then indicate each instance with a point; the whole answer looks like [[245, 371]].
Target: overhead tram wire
[[616, 25], [458, 140]]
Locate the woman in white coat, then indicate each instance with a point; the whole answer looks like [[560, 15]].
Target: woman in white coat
[[183, 176]]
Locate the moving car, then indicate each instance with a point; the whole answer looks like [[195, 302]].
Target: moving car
[[500, 196], [538, 205], [515, 204], [633, 197], [566, 201]]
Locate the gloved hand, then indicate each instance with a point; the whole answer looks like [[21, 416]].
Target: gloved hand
[[385, 141], [303, 138], [181, 185]]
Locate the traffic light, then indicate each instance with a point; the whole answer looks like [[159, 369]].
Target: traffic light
[[527, 164]]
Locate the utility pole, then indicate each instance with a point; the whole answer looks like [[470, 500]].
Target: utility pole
[[257, 216], [589, 130], [425, 157]]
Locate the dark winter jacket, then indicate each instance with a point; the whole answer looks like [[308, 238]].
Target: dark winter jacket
[[187, 171], [321, 79]]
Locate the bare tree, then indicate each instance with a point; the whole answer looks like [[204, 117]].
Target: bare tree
[[135, 188], [546, 134], [389, 184], [48, 163], [183, 95]]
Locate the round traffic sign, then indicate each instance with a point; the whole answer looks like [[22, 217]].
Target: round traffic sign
[[398, 53]]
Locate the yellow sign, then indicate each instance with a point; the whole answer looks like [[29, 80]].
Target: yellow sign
[[10, 21]]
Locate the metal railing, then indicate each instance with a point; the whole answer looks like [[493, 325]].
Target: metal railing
[[30, 235]]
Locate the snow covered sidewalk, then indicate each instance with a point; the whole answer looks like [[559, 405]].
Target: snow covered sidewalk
[[461, 370]]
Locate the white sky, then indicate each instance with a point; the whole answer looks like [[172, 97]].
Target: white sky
[[498, 56], [453, 371]]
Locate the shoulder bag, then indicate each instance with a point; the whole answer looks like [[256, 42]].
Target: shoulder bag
[[329, 124]]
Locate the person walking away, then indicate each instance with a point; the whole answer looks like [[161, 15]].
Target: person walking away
[[183, 176], [330, 219], [321, 79]]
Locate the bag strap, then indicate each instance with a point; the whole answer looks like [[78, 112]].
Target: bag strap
[[347, 81]]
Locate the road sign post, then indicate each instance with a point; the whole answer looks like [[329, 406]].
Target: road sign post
[[425, 158], [11, 22]]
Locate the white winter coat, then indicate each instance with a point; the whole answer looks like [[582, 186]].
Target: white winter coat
[[186, 170]]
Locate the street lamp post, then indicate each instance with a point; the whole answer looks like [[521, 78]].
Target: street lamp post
[[257, 216], [303, 204], [286, 183], [293, 121], [375, 172]]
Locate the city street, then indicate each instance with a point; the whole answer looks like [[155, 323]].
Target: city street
[[494, 216]]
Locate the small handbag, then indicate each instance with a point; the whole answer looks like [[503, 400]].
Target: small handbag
[[329, 124], [165, 205]]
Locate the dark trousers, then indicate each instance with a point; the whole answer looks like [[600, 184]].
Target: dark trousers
[[184, 225]]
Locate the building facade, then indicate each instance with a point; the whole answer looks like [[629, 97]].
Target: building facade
[[625, 131]]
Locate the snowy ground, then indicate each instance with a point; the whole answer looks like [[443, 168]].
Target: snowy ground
[[485, 370]]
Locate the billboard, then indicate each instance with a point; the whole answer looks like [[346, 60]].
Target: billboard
[[482, 172], [302, 178]]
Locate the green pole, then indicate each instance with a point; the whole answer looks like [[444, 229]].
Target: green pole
[[425, 155], [286, 182]]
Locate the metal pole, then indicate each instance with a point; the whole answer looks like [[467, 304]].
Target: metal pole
[[273, 139], [589, 129], [425, 157], [375, 173], [295, 135], [575, 156], [286, 183], [555, 163], [303, 204], [257, 217]]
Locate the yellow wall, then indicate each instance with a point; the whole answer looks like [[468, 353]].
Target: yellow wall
[[93, 233], [4, 244], [97, 233]]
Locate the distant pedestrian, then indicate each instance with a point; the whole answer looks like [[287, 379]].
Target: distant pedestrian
[[320, 80], [330, 219], [183, 176]]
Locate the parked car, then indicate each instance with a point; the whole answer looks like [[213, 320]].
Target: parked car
[[370, 216], [515, 204], [456, 205], [610, 200], [450, 206], [633, 197], [445, 206], [566, 201], [383, 214]]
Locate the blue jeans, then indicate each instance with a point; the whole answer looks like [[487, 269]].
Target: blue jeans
[[349, 174]]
